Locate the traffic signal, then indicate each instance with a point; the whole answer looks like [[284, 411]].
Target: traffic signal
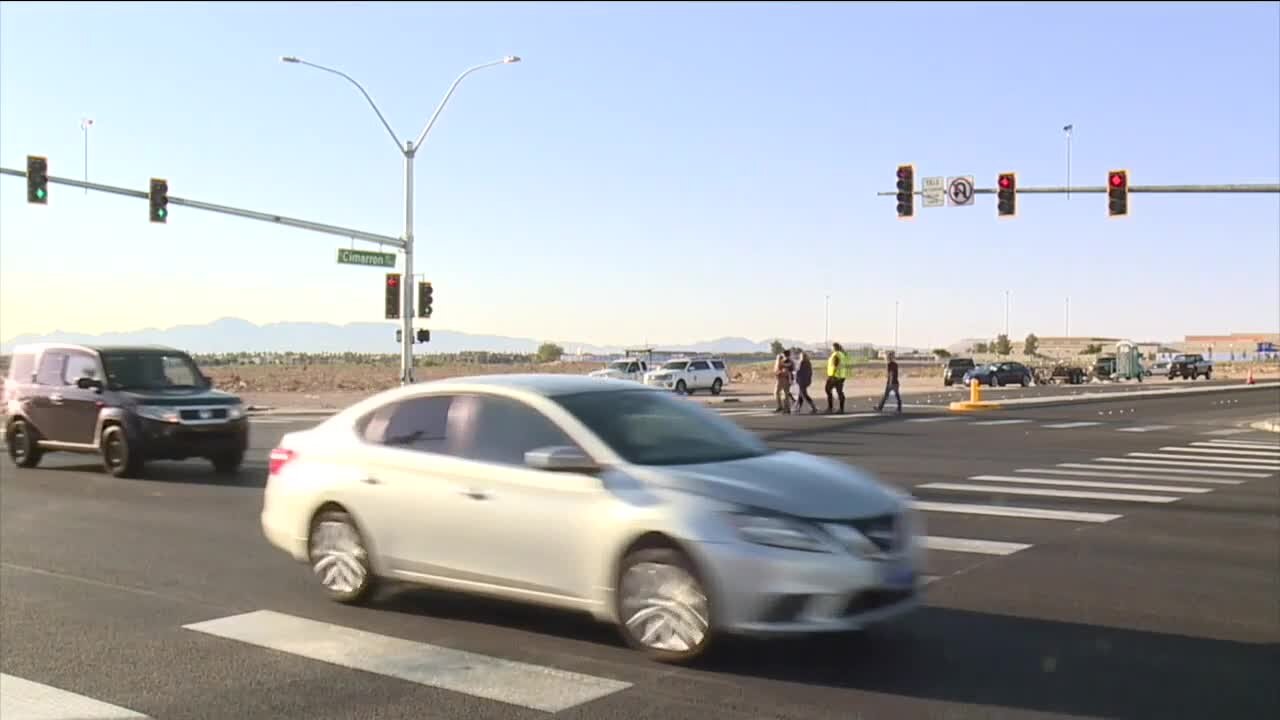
[[1007, 195], [1117, 193], [424, 299], [37, 180], [906, 191], [424, 335], [393, 296], [159, 197]]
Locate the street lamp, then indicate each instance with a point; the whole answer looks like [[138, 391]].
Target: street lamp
[[408, 149]]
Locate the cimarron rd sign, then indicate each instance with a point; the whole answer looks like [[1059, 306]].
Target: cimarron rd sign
[[366, 258]]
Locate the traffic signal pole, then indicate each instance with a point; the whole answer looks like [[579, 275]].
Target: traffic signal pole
[[1051, 190], [406, 287]]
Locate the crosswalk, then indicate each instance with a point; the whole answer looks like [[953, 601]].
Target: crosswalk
[[1114, 423], [1101, 490]]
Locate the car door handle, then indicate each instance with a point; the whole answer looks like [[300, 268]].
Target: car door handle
[[371, 481], [476, 494]]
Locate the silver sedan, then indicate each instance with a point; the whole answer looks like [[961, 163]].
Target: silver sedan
[[642, 508]]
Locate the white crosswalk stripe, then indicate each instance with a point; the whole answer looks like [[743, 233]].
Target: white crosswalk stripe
[[1144, 428], [515, 683], [1070, 425], [1178, 463], [1014, 512], [981, 547], [1041, 492], [1224, 451], [1247, 445], [22, 699], [1164, 470], [1087, 483], [1224, 462], [1130, 475], [1227, 431]]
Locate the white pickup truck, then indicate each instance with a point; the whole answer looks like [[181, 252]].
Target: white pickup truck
[[687, 376], [625, 369]]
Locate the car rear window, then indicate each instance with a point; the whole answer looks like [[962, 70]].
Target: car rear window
[[21, 367]]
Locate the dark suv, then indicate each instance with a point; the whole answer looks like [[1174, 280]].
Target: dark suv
[[129, 404], [955, 369]]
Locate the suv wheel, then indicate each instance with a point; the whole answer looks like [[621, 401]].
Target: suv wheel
[[681, 387], [228, 463], [118, 457], [663, 609], [716, 386], [21, 439]]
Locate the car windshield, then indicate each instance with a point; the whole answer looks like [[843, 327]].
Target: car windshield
[[150, 370], [675, 365], [620, 366], [655, 428]]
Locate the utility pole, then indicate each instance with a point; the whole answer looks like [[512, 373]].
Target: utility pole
[[1067, 129], [1006, 313], [826, 326], [85, 124], [895, 326]]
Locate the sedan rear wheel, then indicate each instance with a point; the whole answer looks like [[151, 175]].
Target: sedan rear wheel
[[339, 558], [662, 606]]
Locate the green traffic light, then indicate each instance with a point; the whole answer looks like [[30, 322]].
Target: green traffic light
[[40, 193], [162, 212]]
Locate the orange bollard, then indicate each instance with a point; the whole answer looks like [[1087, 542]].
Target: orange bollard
[[975, 390]]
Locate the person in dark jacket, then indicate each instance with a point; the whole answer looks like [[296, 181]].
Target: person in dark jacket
[[804, 378]]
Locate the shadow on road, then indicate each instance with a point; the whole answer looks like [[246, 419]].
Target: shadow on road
[[960, 656], [251, 475]]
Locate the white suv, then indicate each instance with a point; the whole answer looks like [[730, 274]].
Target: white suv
[[686, 375]]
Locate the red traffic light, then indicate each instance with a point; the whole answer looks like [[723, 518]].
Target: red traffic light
[[1117, 180], [392, 280], [1005, 181], [904, 173]]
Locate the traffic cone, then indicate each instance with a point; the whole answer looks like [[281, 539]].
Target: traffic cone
[[1250, 380]]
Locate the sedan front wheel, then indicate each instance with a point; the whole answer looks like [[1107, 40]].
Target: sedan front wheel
[[662, 606]]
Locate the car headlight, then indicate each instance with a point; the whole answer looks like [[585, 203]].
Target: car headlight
[[778, 532], [235, 412], [159, 412]]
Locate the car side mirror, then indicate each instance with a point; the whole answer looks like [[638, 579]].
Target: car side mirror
[[86, 383], [560, 458]]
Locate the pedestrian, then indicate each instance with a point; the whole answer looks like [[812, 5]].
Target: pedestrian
[[891, 383], [804, 378], [838, 370], [783, 373]]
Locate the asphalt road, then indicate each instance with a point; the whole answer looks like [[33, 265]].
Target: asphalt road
[[1157, 597]]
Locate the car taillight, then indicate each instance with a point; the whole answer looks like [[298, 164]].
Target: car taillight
[[278, 458]]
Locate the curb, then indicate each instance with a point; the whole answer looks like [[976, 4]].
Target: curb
[[1118, 396], [268, 410]]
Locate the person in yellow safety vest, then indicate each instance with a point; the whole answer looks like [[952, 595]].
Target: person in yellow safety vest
[[838, 370]]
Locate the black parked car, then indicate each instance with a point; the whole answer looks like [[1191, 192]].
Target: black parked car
[[128, 404], [999, 374]]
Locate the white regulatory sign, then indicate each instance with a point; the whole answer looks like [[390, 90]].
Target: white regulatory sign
[[935, 192], [960, 190]]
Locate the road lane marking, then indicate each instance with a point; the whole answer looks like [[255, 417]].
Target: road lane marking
[[965, 545], [1169, 470], [1068, 426], [1193, 461], [1011, 511], [1132, 475], [1089, 484], [943, 418], [1144, 428], [515, 683], [1224, 451], [1000, 422], [1041, 492], [1239, 445], [1181, 463], [1226, 431], [26, 700]]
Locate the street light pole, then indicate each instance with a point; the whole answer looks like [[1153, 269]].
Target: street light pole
[[409, 149]]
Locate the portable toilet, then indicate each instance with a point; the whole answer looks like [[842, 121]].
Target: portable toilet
[[1127, 365]]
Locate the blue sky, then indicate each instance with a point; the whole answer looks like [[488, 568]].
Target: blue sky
[[650, 171]]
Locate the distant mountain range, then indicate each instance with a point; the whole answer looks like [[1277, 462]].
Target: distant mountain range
[[235, 335]]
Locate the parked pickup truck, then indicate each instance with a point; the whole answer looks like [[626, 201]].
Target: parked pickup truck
[[626, 369], [1190, 367]]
